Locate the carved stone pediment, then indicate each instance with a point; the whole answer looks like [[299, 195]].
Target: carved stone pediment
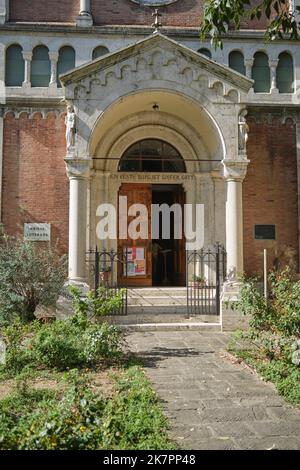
[[157, 60]]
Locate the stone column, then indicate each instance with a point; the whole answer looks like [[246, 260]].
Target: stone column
[[4, 11], [27, 56], [219, 206], [85, 19], [53, 56], [78, 170], [248, 66], [273, 66], [234, 173]]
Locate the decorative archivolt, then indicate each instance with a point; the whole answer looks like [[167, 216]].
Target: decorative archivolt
[[157, 65], [32, 113]]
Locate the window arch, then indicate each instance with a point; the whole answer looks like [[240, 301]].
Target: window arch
[[40, 67], [261, 73], [66, 61], [152, 155], [14, 66], [285, 73], [205, 52], [99, 51], [236, 62]]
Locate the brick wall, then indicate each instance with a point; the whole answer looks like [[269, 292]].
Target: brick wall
[[270, 192], [61, 11], [184, 13], [35, 185]]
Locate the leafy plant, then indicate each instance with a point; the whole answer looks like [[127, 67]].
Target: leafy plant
[[221, 15], [96, 304], [76, 342], [281, 311], [29, 276]]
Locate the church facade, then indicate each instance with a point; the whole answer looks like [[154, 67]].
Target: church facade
[[101, 99]]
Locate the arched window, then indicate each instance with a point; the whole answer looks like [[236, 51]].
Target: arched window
[[99, 51], [261, 73], [236, 62], [285, 73], [40, 67], [14, 66], [205, 52], [152, 155], [66, 61]]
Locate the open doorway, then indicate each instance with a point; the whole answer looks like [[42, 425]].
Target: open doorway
[[168, 254]]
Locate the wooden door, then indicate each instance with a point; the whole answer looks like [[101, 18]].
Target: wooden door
[[179, 245], [138, 271]]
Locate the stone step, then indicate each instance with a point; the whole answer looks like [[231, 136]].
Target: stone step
[[154, 317], [156, 291], [157, 309], [171, 327], [157, 301]]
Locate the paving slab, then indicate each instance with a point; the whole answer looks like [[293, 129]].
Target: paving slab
[[211, 402]]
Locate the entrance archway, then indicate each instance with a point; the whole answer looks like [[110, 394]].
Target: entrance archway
[[173, 155], [157, 259]]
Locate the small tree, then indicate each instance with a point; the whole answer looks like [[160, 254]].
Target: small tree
[[30, 275]]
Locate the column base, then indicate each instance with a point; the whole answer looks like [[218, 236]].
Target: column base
[[81, 284], [232, 318], [84, 21]]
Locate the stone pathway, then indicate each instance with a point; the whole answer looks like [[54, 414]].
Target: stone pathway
[[211, 402]]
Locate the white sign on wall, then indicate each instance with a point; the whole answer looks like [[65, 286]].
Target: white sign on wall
[[37, 232]]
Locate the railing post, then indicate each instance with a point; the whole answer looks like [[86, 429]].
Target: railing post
[[218, 278], [96, 271]]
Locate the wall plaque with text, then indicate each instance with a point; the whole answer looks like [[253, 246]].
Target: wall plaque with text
[[37, 232]]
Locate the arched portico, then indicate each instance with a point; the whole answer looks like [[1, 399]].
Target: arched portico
[[157, 89]]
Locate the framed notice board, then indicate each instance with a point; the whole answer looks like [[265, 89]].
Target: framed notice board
[[264, 232]]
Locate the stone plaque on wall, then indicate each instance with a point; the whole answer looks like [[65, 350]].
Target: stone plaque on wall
[[37, 232]]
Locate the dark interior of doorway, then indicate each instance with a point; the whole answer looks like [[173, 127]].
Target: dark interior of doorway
[[165, 251]]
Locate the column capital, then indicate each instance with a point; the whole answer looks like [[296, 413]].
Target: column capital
[[235, 170], [53, 56], [27, 55], [273, 62], [249, 62], [78, 168]]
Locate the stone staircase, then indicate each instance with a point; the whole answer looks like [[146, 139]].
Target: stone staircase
[[164, 308]]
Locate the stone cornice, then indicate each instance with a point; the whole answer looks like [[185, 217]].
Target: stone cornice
[[71, 28]]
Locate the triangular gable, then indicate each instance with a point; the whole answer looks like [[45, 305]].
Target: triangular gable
[[220, 72]]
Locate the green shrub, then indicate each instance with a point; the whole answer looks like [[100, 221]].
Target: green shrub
[[96, 304], [68, 343], [59, 344], [29, 276], [280, 312], [19, 353], [63, 344]]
